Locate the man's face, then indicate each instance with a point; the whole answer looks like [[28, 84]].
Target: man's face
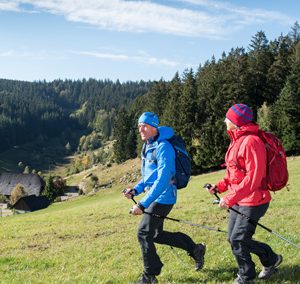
[[147, 131]]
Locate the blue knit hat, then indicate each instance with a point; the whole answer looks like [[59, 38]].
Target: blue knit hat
[[240, 114], [149, 118]]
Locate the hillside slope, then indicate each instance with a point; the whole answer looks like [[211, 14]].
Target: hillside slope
[[93, 239]]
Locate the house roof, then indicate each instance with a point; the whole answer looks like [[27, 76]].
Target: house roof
[[32, 203], [32, 183]]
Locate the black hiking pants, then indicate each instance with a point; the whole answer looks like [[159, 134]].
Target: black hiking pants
[[151, 231], [240, 232]]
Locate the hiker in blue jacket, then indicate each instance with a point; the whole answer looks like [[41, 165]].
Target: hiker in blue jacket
[[161, 195]]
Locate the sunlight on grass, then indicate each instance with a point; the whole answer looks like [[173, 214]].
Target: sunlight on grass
[[93, 239]]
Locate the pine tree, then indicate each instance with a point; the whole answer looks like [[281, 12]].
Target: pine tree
[[209, 133], [264, 117], [68, 147], [295, 33], [124, 135], [260, 60], [156, 98], [286, 113], [279, 69], [170, 115], [131, 142], [26, 170], [187, 108]]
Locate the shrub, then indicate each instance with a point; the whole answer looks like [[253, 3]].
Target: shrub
[[54, 187], [94, 180], [17, 193], [3, 198], [59, 185], [26, 170]]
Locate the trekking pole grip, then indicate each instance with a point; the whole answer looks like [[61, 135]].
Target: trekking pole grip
[[208, 186], [132, 198]]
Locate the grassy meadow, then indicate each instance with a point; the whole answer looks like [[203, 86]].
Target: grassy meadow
[[92, 239]]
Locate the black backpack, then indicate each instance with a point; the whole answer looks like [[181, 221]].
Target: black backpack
[[183, 164]]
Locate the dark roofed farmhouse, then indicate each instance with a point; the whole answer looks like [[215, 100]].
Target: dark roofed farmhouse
[[33, 184], [31, 203]]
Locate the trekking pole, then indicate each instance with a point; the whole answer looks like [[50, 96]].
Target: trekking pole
[[208, 186], [179, 221]]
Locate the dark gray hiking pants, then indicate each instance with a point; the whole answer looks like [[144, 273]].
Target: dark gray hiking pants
[[151, 231], [240, 232]]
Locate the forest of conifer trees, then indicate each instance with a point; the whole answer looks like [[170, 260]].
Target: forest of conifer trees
[[265, 76], [38, 110]]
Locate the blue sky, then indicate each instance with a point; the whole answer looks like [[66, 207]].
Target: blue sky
[[129, 40]]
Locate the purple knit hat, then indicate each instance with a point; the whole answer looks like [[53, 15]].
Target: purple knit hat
[[240, 114]]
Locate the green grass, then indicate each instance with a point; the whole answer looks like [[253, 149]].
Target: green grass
[[93, 239]]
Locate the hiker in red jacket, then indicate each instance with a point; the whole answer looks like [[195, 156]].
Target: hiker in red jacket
[[247, 193]]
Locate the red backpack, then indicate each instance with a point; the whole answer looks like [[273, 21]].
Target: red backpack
[[277, 173]]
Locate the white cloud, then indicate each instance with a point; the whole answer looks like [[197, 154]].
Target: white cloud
[[31, 55], [141, 58], [9, 6], [243, 14], [211, 19], [155, 61], [118, 57]]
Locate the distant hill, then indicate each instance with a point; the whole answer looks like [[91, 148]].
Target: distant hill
[[38, 119], [85, 115], [30, 110]]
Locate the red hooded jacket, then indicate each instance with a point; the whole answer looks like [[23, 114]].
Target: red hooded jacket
[[245, 183]]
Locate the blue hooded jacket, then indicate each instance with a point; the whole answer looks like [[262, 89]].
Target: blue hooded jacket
[[157, 176]]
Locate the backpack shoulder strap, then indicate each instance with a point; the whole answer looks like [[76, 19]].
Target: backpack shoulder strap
[[153, 154]]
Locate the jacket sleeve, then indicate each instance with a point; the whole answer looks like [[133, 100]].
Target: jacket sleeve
[[165, 156], [222, 185], [254, 153], [139, 187]]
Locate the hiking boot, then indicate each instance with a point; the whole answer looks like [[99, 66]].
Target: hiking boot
[[146, 278], [198, 255], [239, 280], [267, 272]]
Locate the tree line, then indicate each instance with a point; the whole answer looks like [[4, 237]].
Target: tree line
[[31, 111], [266, 77]]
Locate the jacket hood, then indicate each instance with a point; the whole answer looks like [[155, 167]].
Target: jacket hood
[[238, 132], [165, 132]]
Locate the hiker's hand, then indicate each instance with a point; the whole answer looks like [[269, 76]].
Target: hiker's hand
[[213, 189], [135, 210], [222, 204], [128, 193]]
